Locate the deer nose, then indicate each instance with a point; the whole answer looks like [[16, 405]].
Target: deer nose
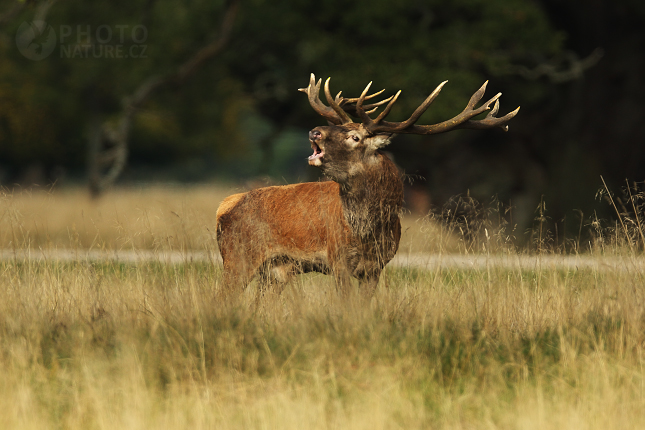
[[315, 135]]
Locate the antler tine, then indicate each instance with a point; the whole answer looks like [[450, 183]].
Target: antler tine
[[491, 121], [345, 103], [486, 106], [359, 106], [475, 98], [377, 104], [387, 109], [369, 109], [364, 114], [312, 83], [344, 117], [424, 106], [494, 110], [355, 99], [313, 91]]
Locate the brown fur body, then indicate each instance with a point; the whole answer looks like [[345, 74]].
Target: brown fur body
[[349, 228]]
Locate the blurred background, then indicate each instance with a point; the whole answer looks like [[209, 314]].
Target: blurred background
[[115, 92]]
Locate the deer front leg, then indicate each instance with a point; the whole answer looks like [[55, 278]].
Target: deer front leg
[[233, 283], [238, 273], [367, 284], [342, 276], [343, 283]]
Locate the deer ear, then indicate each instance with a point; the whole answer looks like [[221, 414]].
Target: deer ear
[[379, 141]]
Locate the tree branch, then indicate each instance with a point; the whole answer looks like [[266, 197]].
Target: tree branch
[[43, 10], [108, 145], [554, 71], [184, 71], [12, 12]]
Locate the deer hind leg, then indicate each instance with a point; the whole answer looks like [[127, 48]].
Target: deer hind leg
[[273, 276]]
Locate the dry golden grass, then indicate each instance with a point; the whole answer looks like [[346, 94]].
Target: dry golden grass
[[146, 345], [153, 217], [131, 218]]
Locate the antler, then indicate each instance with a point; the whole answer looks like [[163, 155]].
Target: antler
[[349, 105], [463, 120], [336, 112]]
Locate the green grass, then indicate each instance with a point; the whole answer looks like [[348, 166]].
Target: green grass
[[107, 345]]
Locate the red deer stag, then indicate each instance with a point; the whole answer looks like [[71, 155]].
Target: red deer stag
[[349, 226]]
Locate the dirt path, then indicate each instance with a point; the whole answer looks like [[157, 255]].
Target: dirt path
[[418, 261]]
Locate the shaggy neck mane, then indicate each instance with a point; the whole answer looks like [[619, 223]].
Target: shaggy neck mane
[[372, 199]]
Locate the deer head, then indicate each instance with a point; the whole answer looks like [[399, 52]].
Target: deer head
[[343, 145]]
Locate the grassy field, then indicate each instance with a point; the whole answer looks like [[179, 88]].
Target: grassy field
[[152, 218], [138, 346]]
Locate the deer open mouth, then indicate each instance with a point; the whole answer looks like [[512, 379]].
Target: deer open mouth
[[315, 159]]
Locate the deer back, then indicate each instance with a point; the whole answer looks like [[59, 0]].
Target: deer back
[[302, 221]]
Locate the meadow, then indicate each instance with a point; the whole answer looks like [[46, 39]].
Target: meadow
[[93, 344]]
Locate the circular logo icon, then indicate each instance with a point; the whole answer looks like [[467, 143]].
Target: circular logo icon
[[35, 40]]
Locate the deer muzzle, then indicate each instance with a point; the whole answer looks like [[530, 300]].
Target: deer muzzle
[[315, 159]]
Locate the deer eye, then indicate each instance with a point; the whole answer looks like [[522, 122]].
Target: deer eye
[[356, 138]]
